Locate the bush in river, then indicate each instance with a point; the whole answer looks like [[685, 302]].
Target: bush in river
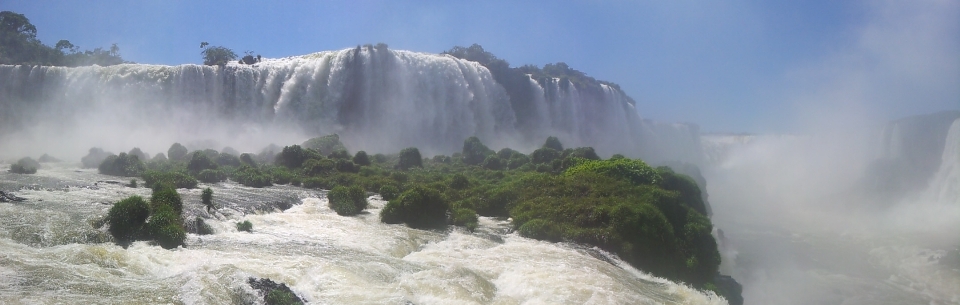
[[347, 201]]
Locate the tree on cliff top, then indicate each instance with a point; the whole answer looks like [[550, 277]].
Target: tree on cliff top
[[217, 55]]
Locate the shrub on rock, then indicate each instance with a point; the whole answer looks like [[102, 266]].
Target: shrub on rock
[[123, 165], [474, 152], [347, 201], [325, 144], [177, 152], [544, 155], [166, 227], [361, 158], [25, 166], [127, 218], [245, 226], [201, 161], [389, 192], [418, 207], [409, 158]]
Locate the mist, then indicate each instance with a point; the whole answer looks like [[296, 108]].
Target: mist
[[800, 211]]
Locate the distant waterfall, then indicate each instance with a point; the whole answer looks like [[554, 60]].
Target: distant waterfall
[[377, 99], [945, 186]]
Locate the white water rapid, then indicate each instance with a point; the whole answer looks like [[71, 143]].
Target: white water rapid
[[50, 254]]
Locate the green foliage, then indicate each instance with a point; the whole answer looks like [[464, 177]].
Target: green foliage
[[281, 297], [389, 192], [410, 157], [227, 159], [617, 156], [123, 165], [280, 174], [347, 201], [177, 152], [245, 226], [127, 218], [166, 227], [459, 181], [25, 166], [212, 176], [347, 166], [207, 199], [544, 155], [685, 187], [315, 167], [247, 159], [251, 176], [418, 207], [133, 183], [177, 179], [361, 158], [582, 153], [294, 156], [553, 143], [339, 154], [474, 152], [325, 144], [217, 56], [200, 161], [19, 46], [635, 171], [166, 195], [493, 162], [540, 229], [465, 218]]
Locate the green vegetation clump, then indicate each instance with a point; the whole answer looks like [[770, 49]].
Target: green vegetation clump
[[293, 156], [418, 207], [325, 144], [177, 152], [465, 218], [127, 218], [207, 199], [211, 176], [251, 176], [544, 155], [553, 143], [474, 152], [217, 55], [25, 165], [123, 165], [409, 158], [635, 171], [201, 161], [361, 158], [389, 192], [19, 46], [347, 201], [281, 297], [166, 227], [161, 220], [245, 226], [166, 195], [177, 179]]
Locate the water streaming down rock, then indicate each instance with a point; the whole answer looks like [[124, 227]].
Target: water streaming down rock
[[377, 99]]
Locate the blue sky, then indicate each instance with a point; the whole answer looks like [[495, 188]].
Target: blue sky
[[729, 66]]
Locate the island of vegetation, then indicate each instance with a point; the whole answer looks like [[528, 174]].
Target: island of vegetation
[[653, 218]]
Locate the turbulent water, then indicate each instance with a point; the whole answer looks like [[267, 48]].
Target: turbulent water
[[378, 100], [798, 230], [50, 253]]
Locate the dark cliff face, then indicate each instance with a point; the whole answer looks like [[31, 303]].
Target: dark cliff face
[[911, 153]]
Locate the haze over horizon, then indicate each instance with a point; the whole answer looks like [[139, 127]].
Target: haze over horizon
[[743, 66]]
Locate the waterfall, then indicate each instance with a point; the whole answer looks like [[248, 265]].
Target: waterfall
[[378, 100]]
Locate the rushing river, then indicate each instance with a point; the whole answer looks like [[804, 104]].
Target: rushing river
[[50, 253]]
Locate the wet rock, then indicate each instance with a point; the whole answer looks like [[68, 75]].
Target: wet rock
[[7, 197], [729, 289], [274, 293]]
